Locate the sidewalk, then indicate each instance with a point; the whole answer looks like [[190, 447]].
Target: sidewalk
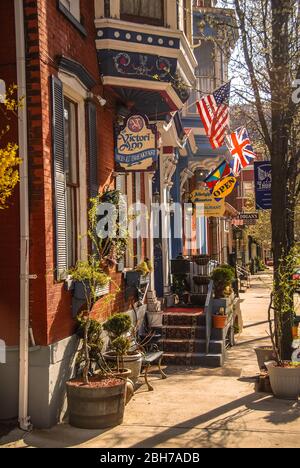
[[197, 408]]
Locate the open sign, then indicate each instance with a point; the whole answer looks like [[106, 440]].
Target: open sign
[[224, 187]]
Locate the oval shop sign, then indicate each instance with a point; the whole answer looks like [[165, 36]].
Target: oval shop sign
[[224, 188]]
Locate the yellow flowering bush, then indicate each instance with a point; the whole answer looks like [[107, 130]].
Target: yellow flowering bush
[[9, 160], [9, 174]]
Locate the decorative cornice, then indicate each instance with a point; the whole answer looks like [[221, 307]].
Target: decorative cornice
[[75, 68]]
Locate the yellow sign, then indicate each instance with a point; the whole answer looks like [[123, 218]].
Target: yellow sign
[[224, 187], [206, 205]]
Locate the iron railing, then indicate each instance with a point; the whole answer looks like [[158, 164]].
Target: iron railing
[[209, 303], [208, 314]]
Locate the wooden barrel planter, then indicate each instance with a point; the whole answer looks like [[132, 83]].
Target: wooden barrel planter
[[97, 406]]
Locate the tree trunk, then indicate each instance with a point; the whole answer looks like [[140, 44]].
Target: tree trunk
[[280, 86]]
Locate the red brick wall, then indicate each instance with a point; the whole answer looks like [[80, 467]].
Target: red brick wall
[[9, 218], [50, 35]]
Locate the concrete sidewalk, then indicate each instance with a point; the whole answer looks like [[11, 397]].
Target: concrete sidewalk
[[196, 407]]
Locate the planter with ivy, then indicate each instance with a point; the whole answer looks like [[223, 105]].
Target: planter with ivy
[[284, 374]]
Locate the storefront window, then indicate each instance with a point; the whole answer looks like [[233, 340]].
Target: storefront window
[[143, 11]]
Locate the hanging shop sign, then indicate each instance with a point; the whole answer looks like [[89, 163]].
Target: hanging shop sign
[[263, 185], [206, 204], [248, 216], [224, 187], [136, 145]]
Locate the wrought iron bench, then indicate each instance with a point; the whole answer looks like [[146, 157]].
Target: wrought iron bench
[[152, 355], [149, 359]]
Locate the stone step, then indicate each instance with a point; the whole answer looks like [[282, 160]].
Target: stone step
[[192, 320], [181, 332], [190, 346], [194, 359]]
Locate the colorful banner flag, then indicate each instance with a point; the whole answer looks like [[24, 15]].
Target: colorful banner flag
[[223, 170]]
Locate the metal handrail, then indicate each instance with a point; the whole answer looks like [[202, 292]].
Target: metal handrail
[[208, 314], [243, 270]]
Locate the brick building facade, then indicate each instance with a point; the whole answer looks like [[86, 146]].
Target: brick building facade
[[55, 47]]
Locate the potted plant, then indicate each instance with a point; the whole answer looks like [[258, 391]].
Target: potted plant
[[223, 277], [284, 373], [201, 280], [95, 400], [140, 274], [220, 319], [201, 260], [92, 396], [125, 360], [113, 246]]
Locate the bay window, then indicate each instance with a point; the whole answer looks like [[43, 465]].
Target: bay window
[[143, 11]]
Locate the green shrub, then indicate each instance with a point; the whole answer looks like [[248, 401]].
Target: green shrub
[[117, 325]]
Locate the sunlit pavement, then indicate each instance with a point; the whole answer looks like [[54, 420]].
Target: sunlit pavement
[[196, 407]]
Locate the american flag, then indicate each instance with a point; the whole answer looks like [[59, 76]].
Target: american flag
[[214, 113], [241, 150]]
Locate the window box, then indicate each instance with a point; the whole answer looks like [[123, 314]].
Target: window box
[[78, 293]]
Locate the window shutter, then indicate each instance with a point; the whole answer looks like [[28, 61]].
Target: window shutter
[[120, 185], [92, 149], [58, 142]]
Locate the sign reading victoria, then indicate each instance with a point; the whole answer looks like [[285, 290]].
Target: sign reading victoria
[[136, 145]]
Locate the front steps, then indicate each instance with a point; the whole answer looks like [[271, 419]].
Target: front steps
[[184, 340]]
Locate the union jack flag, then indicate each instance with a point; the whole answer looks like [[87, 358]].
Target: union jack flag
[[241, 150], [214, 113]]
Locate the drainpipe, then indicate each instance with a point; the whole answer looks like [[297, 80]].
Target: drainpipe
[[24, 419]]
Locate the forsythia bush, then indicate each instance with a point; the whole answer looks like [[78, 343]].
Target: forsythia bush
[[9, 174], [9, 160]]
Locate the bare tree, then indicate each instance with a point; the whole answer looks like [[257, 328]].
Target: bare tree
[[266, 67]]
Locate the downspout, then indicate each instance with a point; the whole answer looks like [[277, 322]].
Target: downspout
[[24, 419]]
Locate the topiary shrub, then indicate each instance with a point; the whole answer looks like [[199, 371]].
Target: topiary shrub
[[223, 277]]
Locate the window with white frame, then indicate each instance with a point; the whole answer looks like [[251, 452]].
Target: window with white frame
[[73, 6], [248, 189], [143, 11]]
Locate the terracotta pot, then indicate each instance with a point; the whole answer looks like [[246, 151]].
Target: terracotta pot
[[219, 321], [285, 381]]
